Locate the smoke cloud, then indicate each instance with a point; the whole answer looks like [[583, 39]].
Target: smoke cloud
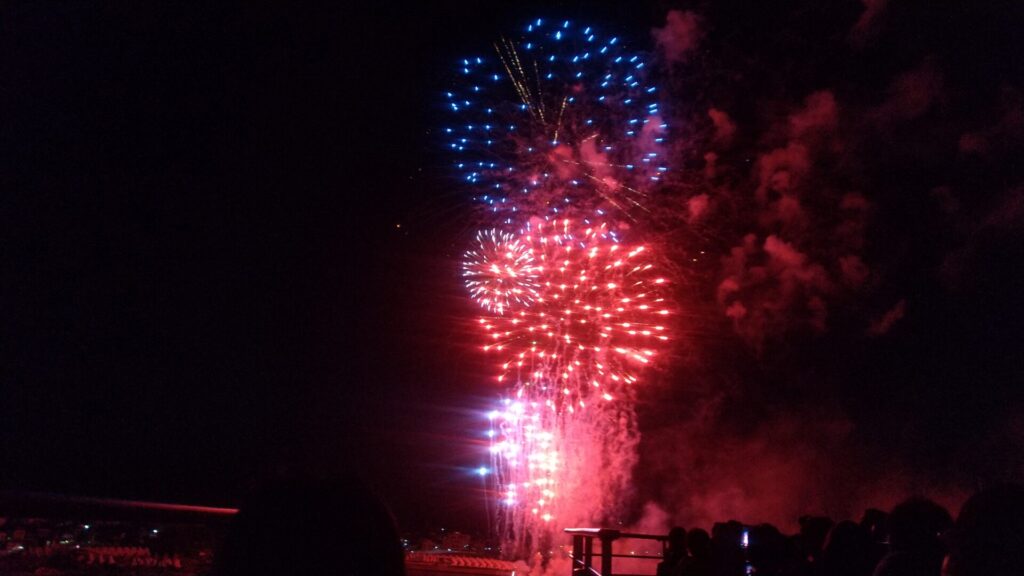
[[779, 276], [831, 202], [868, 23], [680, 36]]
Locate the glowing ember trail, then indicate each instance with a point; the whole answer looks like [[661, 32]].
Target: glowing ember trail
[[560, 138]]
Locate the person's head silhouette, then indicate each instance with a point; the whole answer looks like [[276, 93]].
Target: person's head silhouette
[[988, 537], [313, 527]]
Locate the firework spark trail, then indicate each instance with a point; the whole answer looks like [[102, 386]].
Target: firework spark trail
[[561, 139], [555, 469]]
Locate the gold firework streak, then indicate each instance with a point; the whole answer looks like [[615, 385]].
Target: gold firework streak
[[514, 68]]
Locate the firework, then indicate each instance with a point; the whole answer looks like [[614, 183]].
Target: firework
[[500, 272], [559, 135], [599, 311], [572, 360], [558, 117], [558, 468]]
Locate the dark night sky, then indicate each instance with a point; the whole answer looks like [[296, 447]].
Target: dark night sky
[[202, 283]]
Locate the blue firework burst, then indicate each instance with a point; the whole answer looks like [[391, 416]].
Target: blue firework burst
[[556, 118]]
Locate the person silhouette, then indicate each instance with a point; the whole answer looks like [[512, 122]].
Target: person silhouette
[[675, 553], [848, 551], [988, 536], [915, 546], [698, 542], [312, 527]]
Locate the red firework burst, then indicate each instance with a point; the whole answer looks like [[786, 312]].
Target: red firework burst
[[599, 311]]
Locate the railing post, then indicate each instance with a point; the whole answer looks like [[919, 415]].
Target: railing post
[[588, 556], [577, 553], [606, 555]]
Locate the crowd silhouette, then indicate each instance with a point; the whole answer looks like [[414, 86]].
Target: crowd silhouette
[[916, 538], [348, 531]]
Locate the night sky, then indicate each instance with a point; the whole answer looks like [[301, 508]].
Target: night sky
[[230, 240]]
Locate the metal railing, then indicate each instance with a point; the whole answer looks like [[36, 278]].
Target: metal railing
[[46, 505], [584, 554]]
